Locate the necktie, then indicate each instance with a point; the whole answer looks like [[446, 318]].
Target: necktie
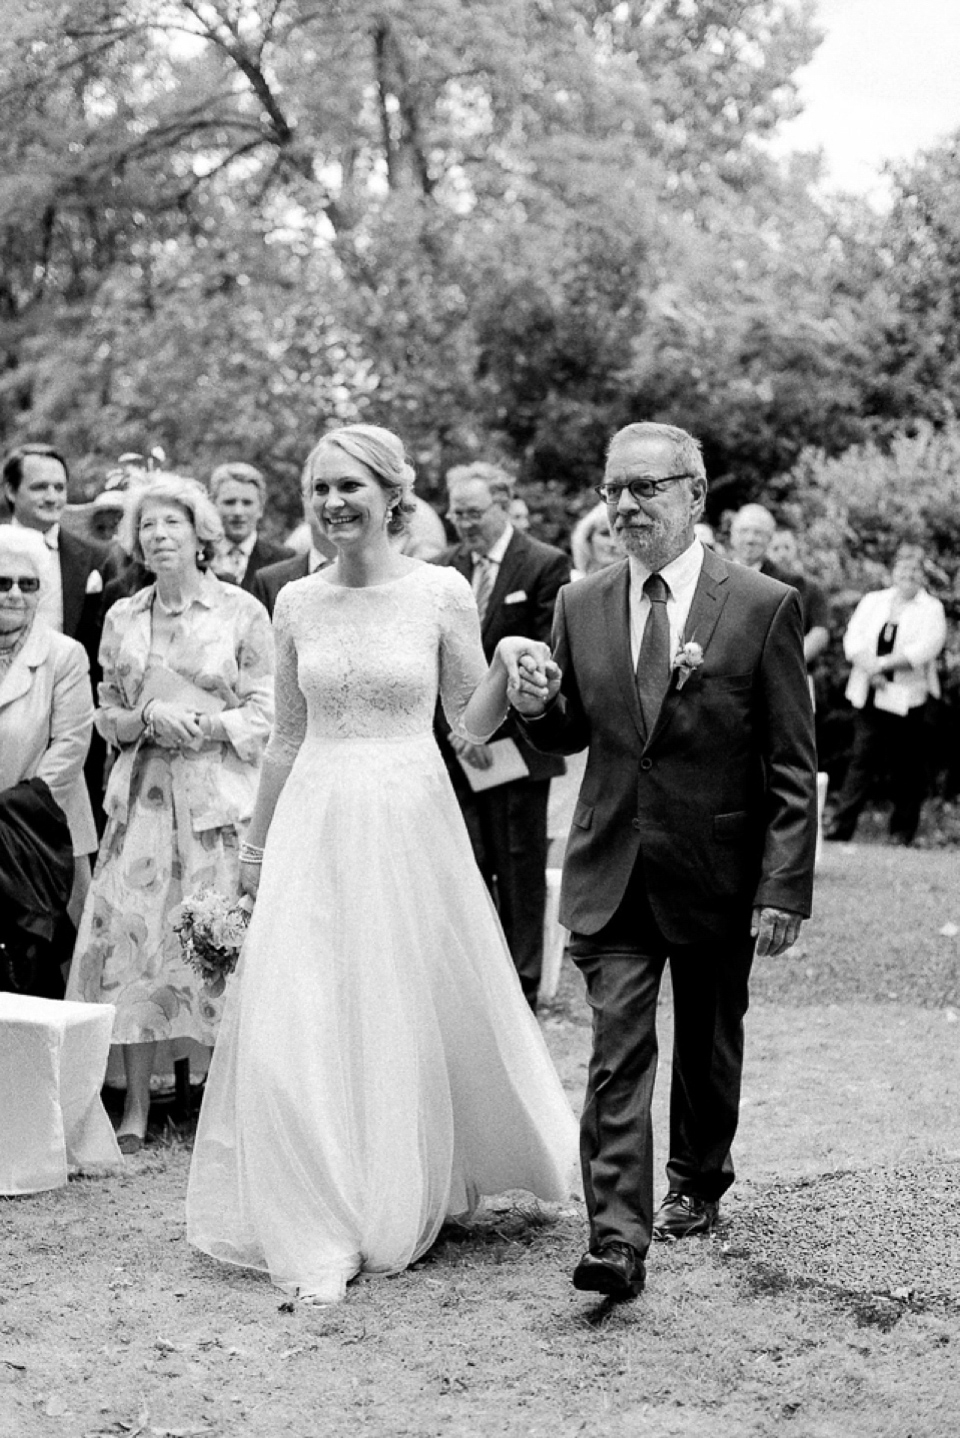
[[483, 575], [653, 661]]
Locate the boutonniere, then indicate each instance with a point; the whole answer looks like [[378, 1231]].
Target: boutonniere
[[687, 658]]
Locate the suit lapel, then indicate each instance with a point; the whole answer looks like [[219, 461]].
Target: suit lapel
[[708, 600], [19, 677], [507, 572]]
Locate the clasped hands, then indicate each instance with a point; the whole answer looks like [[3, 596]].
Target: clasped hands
[[177, 727], [533, 679]]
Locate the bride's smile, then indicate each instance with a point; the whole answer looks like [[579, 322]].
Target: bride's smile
[[347, 499]]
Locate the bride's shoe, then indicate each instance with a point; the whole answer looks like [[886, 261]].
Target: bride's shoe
[[332, 1289]]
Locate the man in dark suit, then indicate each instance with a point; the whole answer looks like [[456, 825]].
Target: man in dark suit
[[35, 480], [692, 840], [515, 579], [240, 492], [271, 579]]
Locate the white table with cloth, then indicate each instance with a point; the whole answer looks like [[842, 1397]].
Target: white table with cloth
[[53, 1056]]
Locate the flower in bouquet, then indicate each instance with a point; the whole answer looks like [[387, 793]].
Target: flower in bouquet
[[687, 658], [211, 929]]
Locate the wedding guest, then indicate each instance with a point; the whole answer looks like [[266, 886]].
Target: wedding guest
[[186, 698], [592, 544], [35, 480], [46, 708], [239, 492], [519, 514], [377, 1068], [892, 642], [515, 580], [693, 839], [751, 531], [36, 874], [783, 551]]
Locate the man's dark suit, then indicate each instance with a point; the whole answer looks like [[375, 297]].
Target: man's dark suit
[[264, 552], [270, 580], [508, 824], [81, 611], [676, 837]]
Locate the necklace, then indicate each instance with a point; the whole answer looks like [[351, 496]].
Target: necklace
[[170, 609]]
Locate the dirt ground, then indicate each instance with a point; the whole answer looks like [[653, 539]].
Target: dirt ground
[[827, 1304]]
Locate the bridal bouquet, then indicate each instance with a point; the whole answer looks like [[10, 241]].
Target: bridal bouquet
[[212, 928]]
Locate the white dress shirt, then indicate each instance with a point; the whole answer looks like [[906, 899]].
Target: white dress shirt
[[680, 576], [234, 558]]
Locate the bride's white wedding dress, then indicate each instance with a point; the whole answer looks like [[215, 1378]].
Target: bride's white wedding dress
[[377, 1068]]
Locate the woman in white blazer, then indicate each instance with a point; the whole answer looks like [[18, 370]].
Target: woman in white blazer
[[892, 642], [46, 704]]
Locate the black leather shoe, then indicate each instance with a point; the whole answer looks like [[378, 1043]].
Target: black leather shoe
[[681, 1214], [615, 1269]]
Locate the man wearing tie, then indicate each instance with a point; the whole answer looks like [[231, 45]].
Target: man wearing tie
[[515, 579], [239, 491], [692, 840], [35, 487]]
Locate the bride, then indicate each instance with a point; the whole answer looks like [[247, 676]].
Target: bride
[[377, 1068]]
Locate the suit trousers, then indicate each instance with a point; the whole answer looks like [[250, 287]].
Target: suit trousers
[[623, 966], [508, 829]]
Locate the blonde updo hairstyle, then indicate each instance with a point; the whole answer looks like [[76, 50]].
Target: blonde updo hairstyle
[[382, 452], [185, 494]]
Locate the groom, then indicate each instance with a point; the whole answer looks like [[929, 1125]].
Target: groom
[[692, 840]]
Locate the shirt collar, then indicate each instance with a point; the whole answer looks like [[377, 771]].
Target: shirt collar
[[245, 546], [51, 536], [680, 574], [498, 549]]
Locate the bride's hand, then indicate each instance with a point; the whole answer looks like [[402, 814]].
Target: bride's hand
[[249, 879]]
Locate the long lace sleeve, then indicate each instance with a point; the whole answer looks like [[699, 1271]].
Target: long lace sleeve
[[462, 664], [290, 706], [247, 726]]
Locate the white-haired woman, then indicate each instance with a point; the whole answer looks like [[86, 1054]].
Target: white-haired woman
[[378, 1067], [46, 707], [186, 698]]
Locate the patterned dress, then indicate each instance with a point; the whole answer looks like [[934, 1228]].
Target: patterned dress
[[175, 817]]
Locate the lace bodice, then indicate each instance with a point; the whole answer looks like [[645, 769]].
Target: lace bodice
[[370, 663]]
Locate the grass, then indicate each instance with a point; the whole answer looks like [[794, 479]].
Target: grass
[[827, 1306]]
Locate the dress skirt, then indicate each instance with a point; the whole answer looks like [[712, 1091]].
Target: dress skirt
[[378, 1069], [127, 952]]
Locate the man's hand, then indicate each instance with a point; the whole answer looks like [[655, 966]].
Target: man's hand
[[775, 930], [533, 679], [478, 756]]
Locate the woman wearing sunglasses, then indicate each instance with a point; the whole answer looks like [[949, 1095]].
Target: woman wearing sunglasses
[[46, 704]]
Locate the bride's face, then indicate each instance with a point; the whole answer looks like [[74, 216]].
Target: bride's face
[[349, 502]]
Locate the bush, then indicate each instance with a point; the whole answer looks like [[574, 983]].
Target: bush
[[851, 513]]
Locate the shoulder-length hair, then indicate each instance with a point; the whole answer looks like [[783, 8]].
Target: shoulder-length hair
[[185, 494]]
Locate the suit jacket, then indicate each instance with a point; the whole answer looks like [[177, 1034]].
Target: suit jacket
[[264, 552], [720, 800], [522, 602], [46, 719], [270, 580], [81, 610], [921, 634]]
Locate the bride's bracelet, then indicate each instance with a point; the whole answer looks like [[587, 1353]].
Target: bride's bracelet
[[250, 853]]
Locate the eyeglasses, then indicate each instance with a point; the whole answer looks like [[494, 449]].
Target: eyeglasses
[[27, 583], [643, 488], [468, 516]]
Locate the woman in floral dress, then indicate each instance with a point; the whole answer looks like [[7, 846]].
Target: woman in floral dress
[[187, 700]]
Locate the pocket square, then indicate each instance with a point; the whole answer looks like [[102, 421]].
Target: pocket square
[[517, 597], [94, 582]]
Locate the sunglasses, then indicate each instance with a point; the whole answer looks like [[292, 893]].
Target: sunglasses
[[27, 583]]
